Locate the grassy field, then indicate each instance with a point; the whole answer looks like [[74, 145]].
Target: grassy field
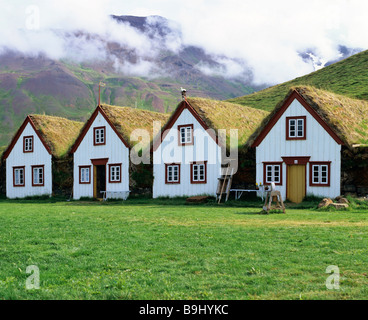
[[146, 250]]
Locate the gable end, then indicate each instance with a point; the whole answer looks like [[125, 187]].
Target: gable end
[[280, 112], [19, 133], [182, 106], [88, 126]]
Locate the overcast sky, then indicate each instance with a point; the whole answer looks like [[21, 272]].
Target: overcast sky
[[266, 36]]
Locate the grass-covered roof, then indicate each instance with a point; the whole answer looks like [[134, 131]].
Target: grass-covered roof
[[58, 133], [126, 119], [347, 117], [2, 149], [225, 115]]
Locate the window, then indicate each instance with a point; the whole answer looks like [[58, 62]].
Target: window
[[320, 174], [172, 173], [99, 136], [185, 135], [18, 176], [38, 176], [114, 173], [28, 144], [272, 172], [295, 128], [85, 174], [198, 171]]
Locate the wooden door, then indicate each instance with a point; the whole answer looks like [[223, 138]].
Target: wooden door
[[296, 183], [99, 180]]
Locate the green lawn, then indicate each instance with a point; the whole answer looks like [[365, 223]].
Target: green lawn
[[152, 251]]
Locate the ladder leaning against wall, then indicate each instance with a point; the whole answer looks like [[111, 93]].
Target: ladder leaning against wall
[[224, 182]]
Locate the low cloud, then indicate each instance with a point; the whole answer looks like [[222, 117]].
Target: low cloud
[[265, 37]]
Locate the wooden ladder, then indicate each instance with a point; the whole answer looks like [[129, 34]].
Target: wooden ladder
[[224, 183]]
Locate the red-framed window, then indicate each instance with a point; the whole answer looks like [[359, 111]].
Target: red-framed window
[[38, 176], [296, 128], [19, 176], [115, 173], [172, 173], [198, 172], [84, 174], [320, 174], [28, 144], [272, 172], [99, 136], [185, 133]]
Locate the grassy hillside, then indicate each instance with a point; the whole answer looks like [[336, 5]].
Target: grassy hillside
[[37, 85], [348, 77]]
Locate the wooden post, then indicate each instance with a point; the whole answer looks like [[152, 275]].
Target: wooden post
[[101, 84], [99, 95]]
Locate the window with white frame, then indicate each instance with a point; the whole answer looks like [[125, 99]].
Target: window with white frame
[[99, 135], [185, 134], [38, 176], [115, 173], [296, 128], [272, 173], [173, 173], [18, 177], [28, 144], [320, 174], [199, 172], [84, 174]]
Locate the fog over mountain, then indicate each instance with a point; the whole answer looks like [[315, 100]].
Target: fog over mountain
[[54, 54], [264, 38]]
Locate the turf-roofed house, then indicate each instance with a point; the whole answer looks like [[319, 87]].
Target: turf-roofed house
[[187, 156], [298, 146], [37, 147], [101, 152]]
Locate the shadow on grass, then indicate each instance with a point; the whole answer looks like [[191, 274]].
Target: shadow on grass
[[141, 200], [249, 213]]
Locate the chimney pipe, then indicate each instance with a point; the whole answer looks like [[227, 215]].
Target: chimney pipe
[[183, 94]]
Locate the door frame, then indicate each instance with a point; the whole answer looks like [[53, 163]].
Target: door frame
[[290, 161], [98, 162]]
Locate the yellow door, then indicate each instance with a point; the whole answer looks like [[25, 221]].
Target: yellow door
[[296, 183]]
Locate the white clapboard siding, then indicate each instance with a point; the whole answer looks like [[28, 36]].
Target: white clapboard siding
[[114, 150], [17, 158], [319, 146], [204, 149]]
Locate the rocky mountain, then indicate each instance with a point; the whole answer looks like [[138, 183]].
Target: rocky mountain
[[149, 79], [38, 84]]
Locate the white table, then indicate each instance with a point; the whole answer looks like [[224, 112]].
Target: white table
[[239, 192], [115, 195]]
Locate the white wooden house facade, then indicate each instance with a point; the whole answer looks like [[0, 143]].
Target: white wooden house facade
[[28, 163], [100, 160], [299, 152], [187, 156]]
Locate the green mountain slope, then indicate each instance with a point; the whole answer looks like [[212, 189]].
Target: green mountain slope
[[348, 77], [37, 85]]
